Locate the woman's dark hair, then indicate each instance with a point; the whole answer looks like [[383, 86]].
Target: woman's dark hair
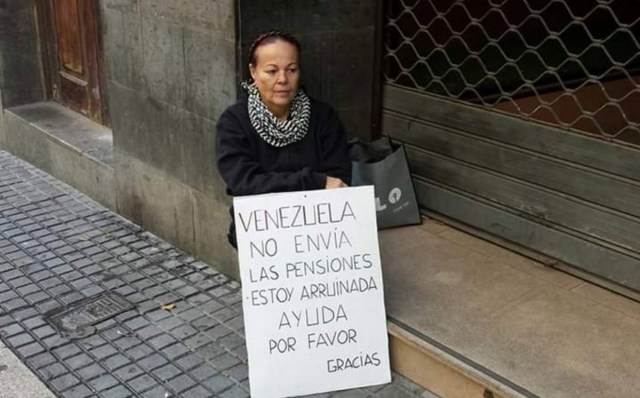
[[268, 38]]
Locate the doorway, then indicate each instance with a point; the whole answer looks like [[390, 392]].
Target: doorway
[[72, 60]]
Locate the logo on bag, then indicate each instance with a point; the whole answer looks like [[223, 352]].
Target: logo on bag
[[394, 197]]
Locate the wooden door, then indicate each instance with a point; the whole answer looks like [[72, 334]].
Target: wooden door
[[69, 34]]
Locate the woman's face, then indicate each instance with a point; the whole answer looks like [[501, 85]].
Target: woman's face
[[277, 75]]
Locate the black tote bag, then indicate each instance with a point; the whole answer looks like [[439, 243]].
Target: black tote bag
[[384, 165]]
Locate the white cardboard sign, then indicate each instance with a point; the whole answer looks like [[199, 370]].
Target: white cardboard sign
[[312, 291]]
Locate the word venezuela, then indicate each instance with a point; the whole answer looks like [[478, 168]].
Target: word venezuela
[[296, 216]]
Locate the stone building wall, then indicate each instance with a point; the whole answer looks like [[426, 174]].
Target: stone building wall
[[171, 72]]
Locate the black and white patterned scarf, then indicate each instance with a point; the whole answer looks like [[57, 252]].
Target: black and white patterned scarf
[[276, 132]]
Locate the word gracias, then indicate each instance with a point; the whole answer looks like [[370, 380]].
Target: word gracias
[[296, 216]]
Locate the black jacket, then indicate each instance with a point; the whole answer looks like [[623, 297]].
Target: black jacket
[[249, 165]]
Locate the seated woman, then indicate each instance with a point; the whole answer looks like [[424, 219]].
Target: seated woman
[[276, 138]]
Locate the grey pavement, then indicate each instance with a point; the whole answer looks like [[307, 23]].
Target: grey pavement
[[17, 381], [58, 248]]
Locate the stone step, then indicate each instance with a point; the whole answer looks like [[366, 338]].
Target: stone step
[[468, 318], [66, 145]]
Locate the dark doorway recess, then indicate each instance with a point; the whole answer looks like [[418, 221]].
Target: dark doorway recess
[[341, 51]]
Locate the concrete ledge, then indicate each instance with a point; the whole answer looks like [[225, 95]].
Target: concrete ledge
[[68, 128], [66, 145], [470, 319]]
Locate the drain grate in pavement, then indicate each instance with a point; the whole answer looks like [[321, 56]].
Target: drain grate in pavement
[[77, 321]]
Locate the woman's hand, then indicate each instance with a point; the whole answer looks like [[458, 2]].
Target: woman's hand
[[333, 182]]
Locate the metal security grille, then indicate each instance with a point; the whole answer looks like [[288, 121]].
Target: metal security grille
[[570, 63]]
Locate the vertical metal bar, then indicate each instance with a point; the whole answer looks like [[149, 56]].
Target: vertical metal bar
[[376, 98]]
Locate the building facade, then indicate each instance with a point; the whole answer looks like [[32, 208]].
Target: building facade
[[150, 79], [520, 117]]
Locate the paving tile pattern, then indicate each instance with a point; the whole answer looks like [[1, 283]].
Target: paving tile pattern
[[57, 247]]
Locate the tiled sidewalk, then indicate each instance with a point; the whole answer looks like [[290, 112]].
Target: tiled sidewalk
[[58, 247]]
